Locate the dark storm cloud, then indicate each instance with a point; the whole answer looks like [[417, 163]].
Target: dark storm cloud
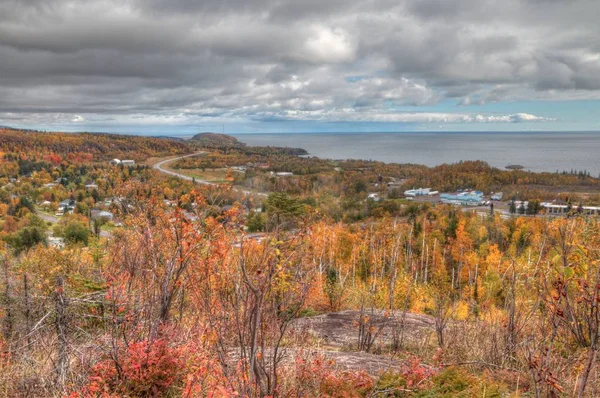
[[283, 59]]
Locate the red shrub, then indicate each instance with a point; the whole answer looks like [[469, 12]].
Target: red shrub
[[313, 376], [144, 369], [415, 373], [346, 384]]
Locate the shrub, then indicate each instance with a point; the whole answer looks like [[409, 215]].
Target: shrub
[[256, 222], [457, 382], [346, 384], [414, 376], [394, 384], [452, 380], [144, 369], [313, 376], [76, 232]]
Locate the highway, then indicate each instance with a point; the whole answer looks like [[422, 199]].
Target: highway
[[159, 166]]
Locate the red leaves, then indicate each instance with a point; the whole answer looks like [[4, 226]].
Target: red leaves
[[146, 369], [53, 158], [416, 373], [313, 375]]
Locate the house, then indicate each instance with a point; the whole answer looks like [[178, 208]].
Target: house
[[497, 196], [66, 206], [128, 162], [97, 214], [91, 187], [56, 242], [521, 203], [374, 197]]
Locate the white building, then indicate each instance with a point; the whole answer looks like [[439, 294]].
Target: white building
[[102, 214], [67, 205], [56, 242], [552, 208], [420, 192], [497, 196]]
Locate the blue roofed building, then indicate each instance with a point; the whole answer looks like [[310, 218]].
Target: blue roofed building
[[473, 198]]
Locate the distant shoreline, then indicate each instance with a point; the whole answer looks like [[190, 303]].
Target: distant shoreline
[[535, 151], [315, 133]]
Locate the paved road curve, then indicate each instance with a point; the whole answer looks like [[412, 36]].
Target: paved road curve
[[159, 166]]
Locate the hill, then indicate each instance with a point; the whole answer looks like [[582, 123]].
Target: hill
[[215, 140], [97, 146], [224, 141]]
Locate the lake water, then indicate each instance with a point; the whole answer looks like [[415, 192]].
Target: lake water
[[536, 151]]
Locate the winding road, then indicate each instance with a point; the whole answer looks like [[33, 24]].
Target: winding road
[[159, 166]]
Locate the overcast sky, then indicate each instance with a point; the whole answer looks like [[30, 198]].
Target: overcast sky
[[183, 66]]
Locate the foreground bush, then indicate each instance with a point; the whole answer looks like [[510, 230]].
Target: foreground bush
[[146, 369], [457, 382], [314, 376]]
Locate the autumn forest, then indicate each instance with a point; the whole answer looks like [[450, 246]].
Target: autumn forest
[[270, 273]]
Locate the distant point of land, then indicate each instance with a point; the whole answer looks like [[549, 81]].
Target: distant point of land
[[514, 167], [168, 137], [216, 140], [224, 141]]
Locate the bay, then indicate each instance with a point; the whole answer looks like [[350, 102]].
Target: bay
[[535, 151]]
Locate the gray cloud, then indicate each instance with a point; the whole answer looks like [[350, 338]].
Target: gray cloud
[[283, 59]]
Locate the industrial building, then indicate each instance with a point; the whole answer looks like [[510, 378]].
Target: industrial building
[[552, 208], [473, 198], [420, 192]]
